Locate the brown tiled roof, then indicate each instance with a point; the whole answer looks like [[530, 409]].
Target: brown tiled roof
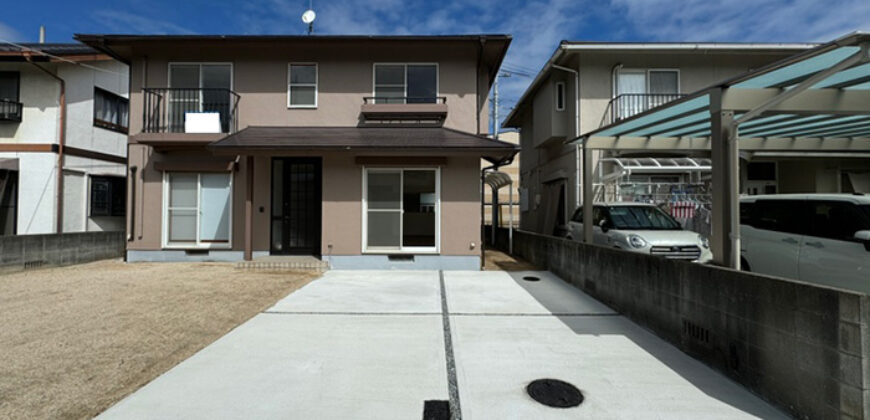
[[349, 138]]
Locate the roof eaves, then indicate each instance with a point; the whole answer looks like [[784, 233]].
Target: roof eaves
[[508, 121]]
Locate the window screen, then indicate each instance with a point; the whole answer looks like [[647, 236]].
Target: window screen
[[302, 90]]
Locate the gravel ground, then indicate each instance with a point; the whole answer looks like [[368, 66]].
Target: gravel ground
[[74, 340]]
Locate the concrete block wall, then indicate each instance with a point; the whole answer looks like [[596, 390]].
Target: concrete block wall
[[19, 252], [802, 347]]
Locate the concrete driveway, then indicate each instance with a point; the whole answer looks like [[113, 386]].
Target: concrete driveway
[[367, 344]]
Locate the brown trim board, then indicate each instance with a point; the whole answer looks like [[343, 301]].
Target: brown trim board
[[400, 160], [54, 148]]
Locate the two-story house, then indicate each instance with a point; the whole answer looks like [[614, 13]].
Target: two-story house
[[362, 150], [63, 131], [586, 85]]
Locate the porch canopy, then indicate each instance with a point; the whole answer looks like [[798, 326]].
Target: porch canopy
[[815, 102], [379, 139]]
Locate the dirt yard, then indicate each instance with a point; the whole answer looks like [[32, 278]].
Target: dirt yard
[[500, 261], [74, 340]]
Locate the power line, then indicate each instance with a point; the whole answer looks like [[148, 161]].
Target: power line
[[40, 52]]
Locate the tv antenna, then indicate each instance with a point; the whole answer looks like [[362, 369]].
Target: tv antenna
[[308, 17]]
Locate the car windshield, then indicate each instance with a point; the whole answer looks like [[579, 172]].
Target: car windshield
[[642, 218]]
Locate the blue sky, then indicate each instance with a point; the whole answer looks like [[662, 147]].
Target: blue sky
[[537, 25]]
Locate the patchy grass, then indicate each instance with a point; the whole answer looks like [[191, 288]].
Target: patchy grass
[[74, 340]]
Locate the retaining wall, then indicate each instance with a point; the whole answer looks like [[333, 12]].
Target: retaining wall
[[802, 347], [19, 252]]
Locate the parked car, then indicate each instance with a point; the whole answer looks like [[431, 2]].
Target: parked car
[[818, 238], [642, 228]]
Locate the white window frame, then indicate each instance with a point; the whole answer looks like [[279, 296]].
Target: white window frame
[[365, 209], [405, 79], [315, 85], [197, 244], [560, 87], [646, 72]]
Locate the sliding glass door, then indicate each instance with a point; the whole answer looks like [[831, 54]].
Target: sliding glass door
[[401, 210]]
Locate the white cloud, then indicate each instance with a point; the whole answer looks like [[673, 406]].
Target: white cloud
[[744, 20], [124, 22], [9, 33]]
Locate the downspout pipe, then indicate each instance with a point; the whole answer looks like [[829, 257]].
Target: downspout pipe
[[61, 140], [576, 130]]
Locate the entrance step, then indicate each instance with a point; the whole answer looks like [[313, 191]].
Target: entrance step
[[284, 263]]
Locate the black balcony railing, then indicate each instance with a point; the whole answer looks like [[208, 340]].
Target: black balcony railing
[[10, 110], [166, 109], [404, 100], [629, 104]]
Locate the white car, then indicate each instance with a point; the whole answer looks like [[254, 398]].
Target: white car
[[818, 238], [642, 228]]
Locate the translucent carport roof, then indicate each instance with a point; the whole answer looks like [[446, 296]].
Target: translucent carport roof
[[816, 100]]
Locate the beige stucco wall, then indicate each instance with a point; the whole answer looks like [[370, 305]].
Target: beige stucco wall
[[344, 78], [341, 204], [545, 157]]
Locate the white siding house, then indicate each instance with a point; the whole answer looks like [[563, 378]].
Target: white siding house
[[32, 125]]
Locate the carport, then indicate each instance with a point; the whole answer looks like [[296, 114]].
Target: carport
[[817, 101]]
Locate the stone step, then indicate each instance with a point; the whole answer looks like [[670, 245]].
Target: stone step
[[284, 263]]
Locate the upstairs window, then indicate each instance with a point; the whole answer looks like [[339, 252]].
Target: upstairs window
[[10, 108], [108, 194], [110, 110], [406, 83], [302, 86], [560, 96]]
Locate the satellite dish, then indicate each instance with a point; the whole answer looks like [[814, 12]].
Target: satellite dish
[[308, 16]]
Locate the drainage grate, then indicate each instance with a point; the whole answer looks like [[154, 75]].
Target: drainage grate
[[436, 410], [554, 393], [33, 264], [531, 278], [695, 331]]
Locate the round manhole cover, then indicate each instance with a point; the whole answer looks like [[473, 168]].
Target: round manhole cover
[[555, 393], [531, 278]]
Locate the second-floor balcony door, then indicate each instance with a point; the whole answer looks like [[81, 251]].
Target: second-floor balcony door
[[199, 88], [640, 90], [630, 88]]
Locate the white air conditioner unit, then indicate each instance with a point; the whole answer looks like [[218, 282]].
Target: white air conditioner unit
[[202, 122]]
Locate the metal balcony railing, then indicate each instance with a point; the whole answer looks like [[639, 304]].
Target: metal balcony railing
[[165, 110], [10, 110], [629, 104], [404, 100]]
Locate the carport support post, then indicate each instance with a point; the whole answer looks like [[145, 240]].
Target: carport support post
[[725, 239], [249, 207], [587, 193]]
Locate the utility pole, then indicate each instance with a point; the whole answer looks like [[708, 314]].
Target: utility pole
[[495, 124]]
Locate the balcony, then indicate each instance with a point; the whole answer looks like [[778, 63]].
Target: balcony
[[629, 104], [10, 111], [404, 109], [190, 110]]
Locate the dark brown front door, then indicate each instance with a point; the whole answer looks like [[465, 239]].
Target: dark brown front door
[[296, 194]]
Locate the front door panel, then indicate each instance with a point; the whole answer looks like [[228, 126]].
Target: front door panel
[[296, 206]]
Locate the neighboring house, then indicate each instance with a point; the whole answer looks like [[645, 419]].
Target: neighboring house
[[362, 150], [513, 171], [63, 130], [616, 81]]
